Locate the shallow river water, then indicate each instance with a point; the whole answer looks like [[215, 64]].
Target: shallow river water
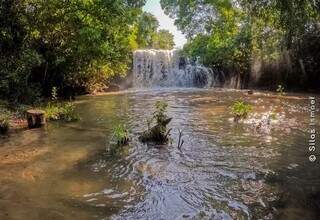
[[224, 170]]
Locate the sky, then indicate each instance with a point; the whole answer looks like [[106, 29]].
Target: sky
[[154, 7]]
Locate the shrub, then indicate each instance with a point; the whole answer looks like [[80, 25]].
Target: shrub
[[240, 110], [280, 90], [160, 113], [121, 135], [4, 123], [159, 132], [58, 111], [68, 112]]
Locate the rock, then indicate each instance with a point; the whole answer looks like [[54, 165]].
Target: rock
[[36, 118], [250, 92], [112, 88]]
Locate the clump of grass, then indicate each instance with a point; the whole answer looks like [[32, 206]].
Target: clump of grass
[[120, 138], [280, 90], [4, 123], [121, 135], [61, 111], [240, 110]]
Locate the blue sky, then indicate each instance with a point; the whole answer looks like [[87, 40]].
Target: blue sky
[[154, 7]]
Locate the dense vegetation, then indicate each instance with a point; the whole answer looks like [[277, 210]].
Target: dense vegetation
[[148, 35], [159, 133], [79, 45], [277, 41], [74, 45]]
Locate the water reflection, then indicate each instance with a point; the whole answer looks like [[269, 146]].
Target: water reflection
[[223, 171]]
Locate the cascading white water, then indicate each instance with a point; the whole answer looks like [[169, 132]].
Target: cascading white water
[[166, 68]]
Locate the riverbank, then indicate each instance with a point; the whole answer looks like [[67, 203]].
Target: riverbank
[[13, 116]]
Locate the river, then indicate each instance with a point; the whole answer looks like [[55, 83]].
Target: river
[[224, 170]]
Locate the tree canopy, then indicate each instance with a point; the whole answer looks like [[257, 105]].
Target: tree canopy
[[73, 45], [232, 34]]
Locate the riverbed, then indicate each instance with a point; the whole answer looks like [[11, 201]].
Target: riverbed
[[224, 170]]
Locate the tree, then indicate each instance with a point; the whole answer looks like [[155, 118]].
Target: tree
[[232, 34], [147, 25], [72, 45], [163, 39]]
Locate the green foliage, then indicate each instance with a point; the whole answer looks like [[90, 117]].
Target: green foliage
[[160, 114], [120, 138], [61, 111], [240, 110], [159, 132], [229, 35], [121, 135], [280, 90], [4, 122], [147, 26], [147, 34], [72, 45], [163, 39]]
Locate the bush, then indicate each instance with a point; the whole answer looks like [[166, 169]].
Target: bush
[[159, 132], [240, 110], [4, 123], [58, 111], [280, 90], [121, 135]]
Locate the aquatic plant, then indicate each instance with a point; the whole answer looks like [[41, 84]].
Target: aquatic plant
[[61, 111], [4, 123], [120, 138], [240, 110], [158, 133], [280, 90], [121, 135]]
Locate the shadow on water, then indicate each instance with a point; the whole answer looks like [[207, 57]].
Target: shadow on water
[[223, 170]]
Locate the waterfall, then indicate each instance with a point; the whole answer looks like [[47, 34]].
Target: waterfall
[[166, 68]]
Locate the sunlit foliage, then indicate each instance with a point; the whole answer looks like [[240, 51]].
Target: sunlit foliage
[[72, 45], [232, 35]]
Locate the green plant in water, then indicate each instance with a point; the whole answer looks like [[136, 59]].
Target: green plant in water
[[121, 135], [240, 110], [280, 90], [159, 132], [4, 123], [58, 111], [160, 113]]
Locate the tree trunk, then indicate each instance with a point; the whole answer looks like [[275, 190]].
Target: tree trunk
[[36, 118]]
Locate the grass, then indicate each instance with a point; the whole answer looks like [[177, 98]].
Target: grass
[[121, 135], [120, 138], [240, 110], [4, 122], [61, 111]]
